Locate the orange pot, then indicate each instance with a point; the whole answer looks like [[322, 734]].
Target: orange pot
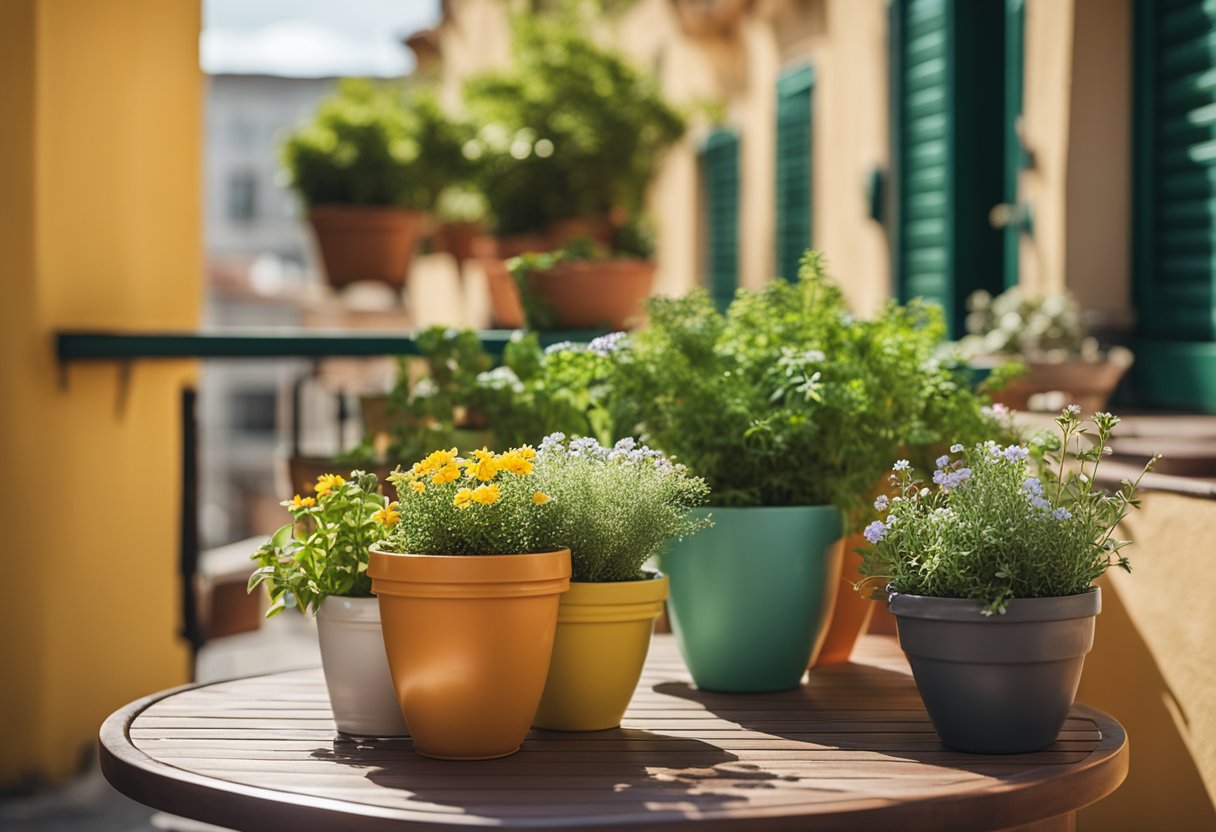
[[598, 229], [505, 309], [469, 639], [366, 242], [852, 612], [595, 293], [1085, 383]]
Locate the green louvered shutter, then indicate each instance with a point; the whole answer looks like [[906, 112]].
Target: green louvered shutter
[[925, 121], [720, 184], [793, 168], [1175, 201], [1178, 119], [947, 115]]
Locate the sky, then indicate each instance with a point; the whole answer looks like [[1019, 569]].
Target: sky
[[310, 38]]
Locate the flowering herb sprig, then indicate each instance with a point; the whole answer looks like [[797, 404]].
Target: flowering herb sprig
[[999, 523], [323, 551], [613, 508]]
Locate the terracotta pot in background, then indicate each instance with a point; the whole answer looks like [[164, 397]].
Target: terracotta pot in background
[[598, 229], [469, 639], [304, 470], [596, 293], [852, 612], [366, 242], [457, 238], [506, 312], [1085, 383]]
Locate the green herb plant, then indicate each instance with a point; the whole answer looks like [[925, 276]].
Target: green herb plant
[[999, 523], [377, 144], [787, 398], [323, 551], [569, 129]]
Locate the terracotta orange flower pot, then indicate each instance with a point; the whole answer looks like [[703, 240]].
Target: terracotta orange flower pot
[[505, 309], [594, 293], [469, 639], [366, 242], [852, 612]]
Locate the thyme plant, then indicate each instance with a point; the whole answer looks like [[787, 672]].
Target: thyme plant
[[1004, 522]]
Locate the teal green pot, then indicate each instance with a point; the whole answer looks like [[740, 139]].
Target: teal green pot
[[751, 598]]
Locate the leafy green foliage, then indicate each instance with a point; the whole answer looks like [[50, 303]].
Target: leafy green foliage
[[323, 551], [535, 392], [569, 129], [377, 144], [787, 399], [614, 508], [1001, 523]]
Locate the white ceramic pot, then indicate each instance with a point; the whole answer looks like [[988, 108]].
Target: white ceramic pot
[[356, 668]]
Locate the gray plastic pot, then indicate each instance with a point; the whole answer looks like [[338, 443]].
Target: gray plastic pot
[[999, 684]]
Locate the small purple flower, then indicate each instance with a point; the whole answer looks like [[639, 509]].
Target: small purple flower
[[560, 346], [1016, 453], [1061, 514], [875, 532], [882, 502], [605, 345], [901, 465], [1032, 485], [1040, 503], [943, 461], [553, 440], [951, 479]]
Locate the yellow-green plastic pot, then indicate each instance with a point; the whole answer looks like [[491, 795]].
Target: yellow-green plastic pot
[[603, 636]]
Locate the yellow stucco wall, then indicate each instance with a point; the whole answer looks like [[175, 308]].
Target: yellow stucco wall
[[99, 227]]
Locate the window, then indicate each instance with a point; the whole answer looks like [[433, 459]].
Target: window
[[242, 195]]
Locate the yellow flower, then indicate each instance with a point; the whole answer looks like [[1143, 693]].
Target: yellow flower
[[328, 482], [483, 467], [525, 451], [540, 498], [302, 502], [484, 453], [387, 516], [515, 462], [486, 494], [434, 462], [446, 474], [417, 487], [463, 498]]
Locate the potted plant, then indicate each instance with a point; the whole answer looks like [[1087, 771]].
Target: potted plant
[[775, 403], [618, 506], [460, 210], [318, 563], [468, 582], [571, 135], [991, 571], [367, 167], [1047, 337]]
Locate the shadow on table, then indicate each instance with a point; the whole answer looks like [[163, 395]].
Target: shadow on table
[[620, 772], [814, 714]]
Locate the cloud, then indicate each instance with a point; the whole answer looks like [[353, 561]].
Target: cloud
[[303, 49]]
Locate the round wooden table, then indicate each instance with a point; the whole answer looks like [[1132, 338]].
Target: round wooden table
[[850, 750]]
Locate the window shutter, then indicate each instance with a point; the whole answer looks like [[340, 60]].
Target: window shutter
[[947, 116], [1176, 182], [793, 233], [720, 184], [925, 122]]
